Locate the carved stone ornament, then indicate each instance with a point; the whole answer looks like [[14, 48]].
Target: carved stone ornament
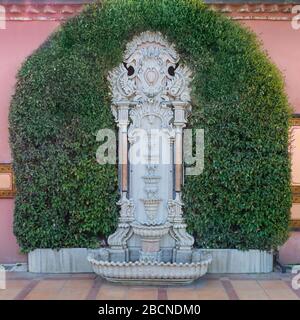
[[150, 103]]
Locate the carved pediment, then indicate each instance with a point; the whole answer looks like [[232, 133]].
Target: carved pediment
[[151, 73]]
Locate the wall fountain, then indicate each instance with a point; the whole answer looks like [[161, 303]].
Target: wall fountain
[[151, 102]]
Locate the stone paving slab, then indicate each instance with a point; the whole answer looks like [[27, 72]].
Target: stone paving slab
[[30, 286]]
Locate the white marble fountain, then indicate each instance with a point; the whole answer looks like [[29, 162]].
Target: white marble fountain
[[151, 102]]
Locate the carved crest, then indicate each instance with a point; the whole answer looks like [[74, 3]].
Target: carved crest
[[151, 73]]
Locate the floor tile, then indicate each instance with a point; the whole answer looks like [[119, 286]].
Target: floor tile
[[13, 288], [107, 292], [249, 290], [142, 294], [278, 290]]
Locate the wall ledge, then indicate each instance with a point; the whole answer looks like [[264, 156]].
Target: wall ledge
[[61, 10], [74, 260], [238, 261]]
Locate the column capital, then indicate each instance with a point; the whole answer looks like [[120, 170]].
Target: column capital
[[180, 110], [120, 110]]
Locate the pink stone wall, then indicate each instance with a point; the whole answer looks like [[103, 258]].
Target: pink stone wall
[[17, 41], [289, 253], [282, 43], [20, 39], [295, 149]]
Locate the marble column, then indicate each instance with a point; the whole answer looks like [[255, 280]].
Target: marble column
[[179, 124], [123, 145]]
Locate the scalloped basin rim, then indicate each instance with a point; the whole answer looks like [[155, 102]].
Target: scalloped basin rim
[[92, 260], [150, 273]]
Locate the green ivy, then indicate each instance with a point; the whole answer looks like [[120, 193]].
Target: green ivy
[[66, 199]]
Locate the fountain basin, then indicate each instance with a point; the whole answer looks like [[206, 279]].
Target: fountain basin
[[152, 231], [149, 273]]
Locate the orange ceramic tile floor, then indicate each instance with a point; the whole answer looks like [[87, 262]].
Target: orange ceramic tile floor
[[26, 286]]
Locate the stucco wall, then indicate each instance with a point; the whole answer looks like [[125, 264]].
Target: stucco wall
[[19, 39], [282, 43]]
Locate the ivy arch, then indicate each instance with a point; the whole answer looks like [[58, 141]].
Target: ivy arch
[[65, 199]]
